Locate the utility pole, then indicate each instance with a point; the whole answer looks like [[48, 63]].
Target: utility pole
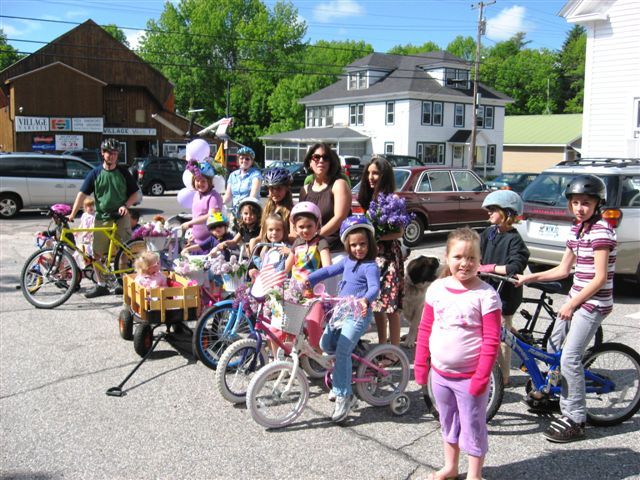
[[476, 74]]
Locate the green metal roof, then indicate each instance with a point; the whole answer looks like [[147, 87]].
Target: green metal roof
[[542, 129]]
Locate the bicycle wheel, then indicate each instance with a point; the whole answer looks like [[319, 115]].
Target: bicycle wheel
[[382, 389], [312, 368], [270, 404], [612, 373], [217, 328], [237, 366], [124, 260], [496, 394], [49, 277]]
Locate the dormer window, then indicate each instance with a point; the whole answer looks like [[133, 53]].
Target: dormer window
[[358, 80], [457, 78]]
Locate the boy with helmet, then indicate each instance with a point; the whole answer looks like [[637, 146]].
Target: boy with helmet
[[218, 225], [115, 191], [591, 247], [505, 253]]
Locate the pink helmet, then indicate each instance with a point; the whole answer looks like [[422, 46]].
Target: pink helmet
[[306, 207]]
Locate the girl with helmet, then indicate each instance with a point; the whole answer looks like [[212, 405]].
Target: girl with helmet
[[280, 200], [218, 226], [505, 253], [591, 248], [360, 279], [247, 224], [243, 182]]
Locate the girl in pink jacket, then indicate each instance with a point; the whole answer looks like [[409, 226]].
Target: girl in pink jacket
[[458, 340]]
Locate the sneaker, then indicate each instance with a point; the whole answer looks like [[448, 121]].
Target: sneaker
[[342, 409], [564, 430], [97, 291], [332, 396]]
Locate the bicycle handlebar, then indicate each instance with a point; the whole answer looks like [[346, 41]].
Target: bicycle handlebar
[[495, 276], [266, 244]]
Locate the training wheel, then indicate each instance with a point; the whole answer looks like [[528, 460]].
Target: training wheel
[[400, 404]]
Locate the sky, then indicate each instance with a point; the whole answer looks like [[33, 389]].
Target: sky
[[381, 23]]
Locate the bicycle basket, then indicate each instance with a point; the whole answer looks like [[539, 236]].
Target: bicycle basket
[[232, 283], [157, 244], [292, 318]]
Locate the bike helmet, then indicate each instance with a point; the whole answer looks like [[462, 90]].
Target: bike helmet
[[110, 145], [353, 223], [306, 207], [61, 209], [216, 219], [506, 200], [251, 201], [246, 151], [276, 176], [587, 185]]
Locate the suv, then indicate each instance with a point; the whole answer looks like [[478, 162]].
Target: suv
[[90, 155], [439, 197], [155, 175], [29, 180], [547, 222]]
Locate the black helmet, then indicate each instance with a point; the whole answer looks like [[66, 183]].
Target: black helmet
[[276, 176], [587, 185], [110, 145]]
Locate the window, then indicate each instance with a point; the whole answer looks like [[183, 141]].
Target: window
[[458, 155], [388, 147], [431, 152], [485, 117], [491, 155], [435, 181], [457, 78], [390, 117], [458, 115], [356, 114], [467, 181], [357, 80], [76, 169], [432, 113], [319, 116]]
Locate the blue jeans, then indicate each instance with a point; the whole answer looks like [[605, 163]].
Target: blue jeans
[[342, 342]]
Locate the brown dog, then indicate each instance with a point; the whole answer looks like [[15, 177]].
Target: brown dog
[[420, 272]]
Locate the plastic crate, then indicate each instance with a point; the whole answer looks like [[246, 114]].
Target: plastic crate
[[162, 304]]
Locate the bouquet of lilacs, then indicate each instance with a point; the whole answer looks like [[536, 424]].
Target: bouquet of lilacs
[[156, 228], [388, 213], [191, 264], [249, 304], [233, 267]]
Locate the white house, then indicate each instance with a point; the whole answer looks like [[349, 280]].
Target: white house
[[611, 114], [418, 105]]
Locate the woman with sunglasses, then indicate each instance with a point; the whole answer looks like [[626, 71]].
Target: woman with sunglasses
[[243, 182], [331, 193]]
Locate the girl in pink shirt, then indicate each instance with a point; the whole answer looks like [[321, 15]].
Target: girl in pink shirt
[[458, 340], [148, 271]]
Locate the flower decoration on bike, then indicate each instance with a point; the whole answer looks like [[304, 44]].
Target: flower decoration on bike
[[388, 213], [234, 267]]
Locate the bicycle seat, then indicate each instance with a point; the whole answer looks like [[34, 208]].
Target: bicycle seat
[[547, 287]]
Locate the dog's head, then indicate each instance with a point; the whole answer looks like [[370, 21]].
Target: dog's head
[[423, 269]]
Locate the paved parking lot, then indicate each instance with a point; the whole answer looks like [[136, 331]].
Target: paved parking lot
[[57, 422]]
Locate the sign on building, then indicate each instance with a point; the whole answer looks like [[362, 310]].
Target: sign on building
[[60, 124], [88, 124], [69, 142], [148, 132], [43, 143], [32, 124]]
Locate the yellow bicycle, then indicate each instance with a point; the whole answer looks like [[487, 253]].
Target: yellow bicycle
[[51, 275]]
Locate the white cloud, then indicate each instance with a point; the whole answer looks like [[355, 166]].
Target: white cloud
[[134, 37], [20, 28], [507, 23], [71, 14], [325, 12]]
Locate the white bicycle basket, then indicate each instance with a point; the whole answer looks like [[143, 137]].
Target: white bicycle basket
[[291, 319]]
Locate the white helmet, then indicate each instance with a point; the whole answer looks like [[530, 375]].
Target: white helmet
[[506, 200]]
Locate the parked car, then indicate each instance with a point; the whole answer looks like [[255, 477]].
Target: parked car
[[29, 180], [90, 155], [512, 181], [402, 160], [547, 222], [352, 167], [297, 171], [439, 197], [155, 175]]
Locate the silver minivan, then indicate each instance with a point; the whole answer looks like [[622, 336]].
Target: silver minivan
[[547, 222], [31, 180]]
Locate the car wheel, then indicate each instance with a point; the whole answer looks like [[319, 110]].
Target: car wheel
[[9, 205], [413, 232], [156, 189]]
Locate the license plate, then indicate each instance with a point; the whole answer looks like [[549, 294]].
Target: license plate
[[548, 230]]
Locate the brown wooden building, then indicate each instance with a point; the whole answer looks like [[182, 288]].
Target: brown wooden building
[[85, 86]]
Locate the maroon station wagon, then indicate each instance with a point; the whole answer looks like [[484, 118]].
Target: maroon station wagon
[[441, 198]]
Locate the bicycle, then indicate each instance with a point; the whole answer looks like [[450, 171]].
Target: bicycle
[[612, 374], [51, 275], [278, 393]]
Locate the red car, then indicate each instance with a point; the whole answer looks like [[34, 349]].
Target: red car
[[441, 198]]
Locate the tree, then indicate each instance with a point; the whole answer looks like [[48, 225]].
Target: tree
[[117, 34], [571, 65], [463, 47], [204, 45], [8, 54], [409, 49]]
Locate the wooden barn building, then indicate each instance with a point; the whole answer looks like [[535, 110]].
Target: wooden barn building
[[85, 86]]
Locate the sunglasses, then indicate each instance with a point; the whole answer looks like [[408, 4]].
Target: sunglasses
[[317, 157], [246, 159]]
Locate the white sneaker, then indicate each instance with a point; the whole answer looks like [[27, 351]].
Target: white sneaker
[[332, 396], [343, 407]]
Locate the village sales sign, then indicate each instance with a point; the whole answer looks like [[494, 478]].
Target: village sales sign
[[32, 124]]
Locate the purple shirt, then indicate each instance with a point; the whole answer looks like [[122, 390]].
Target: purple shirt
[[201, 205]]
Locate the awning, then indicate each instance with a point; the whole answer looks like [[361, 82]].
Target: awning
[[461, 136]]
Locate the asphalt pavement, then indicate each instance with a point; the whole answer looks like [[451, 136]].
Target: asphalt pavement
[[57, 422]]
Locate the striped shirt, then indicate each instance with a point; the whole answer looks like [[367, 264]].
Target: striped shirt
[[599, 236]]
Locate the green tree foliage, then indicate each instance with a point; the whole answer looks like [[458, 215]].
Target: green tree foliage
[[8, 54], [321, 65], [200, 45], [463, 47], [571, 65], [409, 49], [117, 33]]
